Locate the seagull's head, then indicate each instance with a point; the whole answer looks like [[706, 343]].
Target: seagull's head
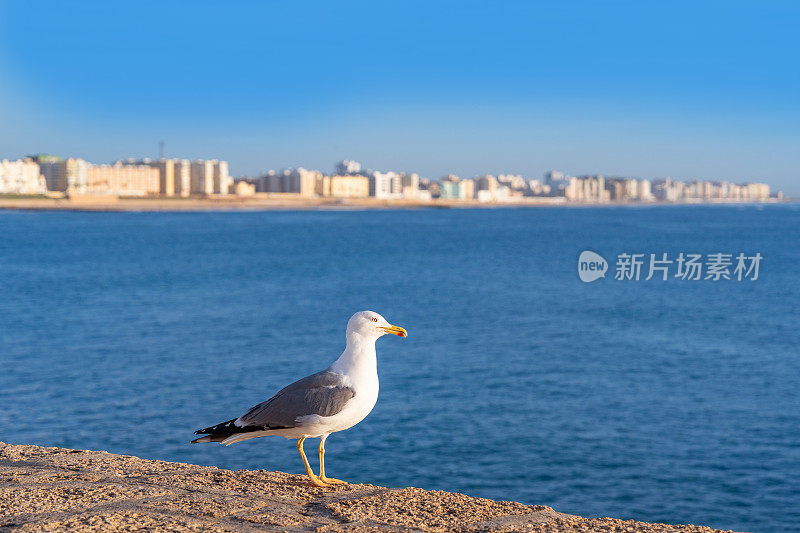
[[371, 325]]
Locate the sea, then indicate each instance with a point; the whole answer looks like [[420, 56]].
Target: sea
[[672, 400]]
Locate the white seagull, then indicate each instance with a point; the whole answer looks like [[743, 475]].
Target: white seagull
[[333, 400]]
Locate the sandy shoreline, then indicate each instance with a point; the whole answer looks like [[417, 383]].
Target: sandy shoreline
[[261, 203], [59, 489]]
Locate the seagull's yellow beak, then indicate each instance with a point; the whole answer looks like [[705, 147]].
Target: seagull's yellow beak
[[394, 330]]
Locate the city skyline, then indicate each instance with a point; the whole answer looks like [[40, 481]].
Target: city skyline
[[78, 179], [469, 89]]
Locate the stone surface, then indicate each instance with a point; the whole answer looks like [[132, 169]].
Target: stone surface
[[58, 489]]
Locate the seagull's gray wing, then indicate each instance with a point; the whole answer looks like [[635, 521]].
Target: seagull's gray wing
[[323, 394]]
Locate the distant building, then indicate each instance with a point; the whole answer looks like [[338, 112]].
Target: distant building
[[21, 177], [484, 195], [348, 167], [616, 189], [68, 175], [222, 179], [182, 169], [756, 191], [209, 176], [535, 188], [553, 176], [589, 189], [556, 182], [385, 185], [486, 188], [174, 175], [644, 191], [503, 193], [410, 184], [243, 188], [122, 180], [454, 188], [201, 180], [348, 186], [449, 190], [467, 189], [294, 180], [630, 189], [304, 182], [664, 190], [513, 181]]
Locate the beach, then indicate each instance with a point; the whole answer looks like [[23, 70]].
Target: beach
[[232, 202], [268, 201]]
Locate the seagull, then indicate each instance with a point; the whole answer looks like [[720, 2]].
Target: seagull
[[333, 400]]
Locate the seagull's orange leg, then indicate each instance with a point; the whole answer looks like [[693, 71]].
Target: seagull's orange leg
[[314, 479], [322, 476]]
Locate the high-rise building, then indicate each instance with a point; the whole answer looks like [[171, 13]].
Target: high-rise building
[[410, 183], [183, 177], [665, 190], [294, 180], [587, 189], [467, 191], [68, 175], [644, 191], [202, 177], [222, 180], [486, 188], [166, 170], [385, 185], [755, 191]]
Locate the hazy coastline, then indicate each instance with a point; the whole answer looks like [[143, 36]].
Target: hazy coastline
[[287, 202]]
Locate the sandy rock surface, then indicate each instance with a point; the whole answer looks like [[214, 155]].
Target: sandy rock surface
[[58, 489]]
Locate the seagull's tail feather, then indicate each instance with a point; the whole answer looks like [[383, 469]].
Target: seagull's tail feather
[[219, 432], [228, 432]]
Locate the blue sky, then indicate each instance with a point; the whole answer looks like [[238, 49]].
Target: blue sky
[[652, 89]]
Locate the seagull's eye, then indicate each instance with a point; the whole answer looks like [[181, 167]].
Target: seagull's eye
[[374, 319]]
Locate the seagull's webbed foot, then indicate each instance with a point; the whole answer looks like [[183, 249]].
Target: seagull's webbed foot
[[332, 480], [318, 482]]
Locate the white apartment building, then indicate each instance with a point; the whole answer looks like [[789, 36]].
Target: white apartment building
[[385, 185], [21, 177], [209, 177]]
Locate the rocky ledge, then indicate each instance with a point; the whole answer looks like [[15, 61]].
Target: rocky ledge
[[58, 489]]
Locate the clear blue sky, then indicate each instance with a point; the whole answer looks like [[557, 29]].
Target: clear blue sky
[[682, 89]]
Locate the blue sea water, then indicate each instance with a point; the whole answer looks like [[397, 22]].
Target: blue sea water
[[674, 401]]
